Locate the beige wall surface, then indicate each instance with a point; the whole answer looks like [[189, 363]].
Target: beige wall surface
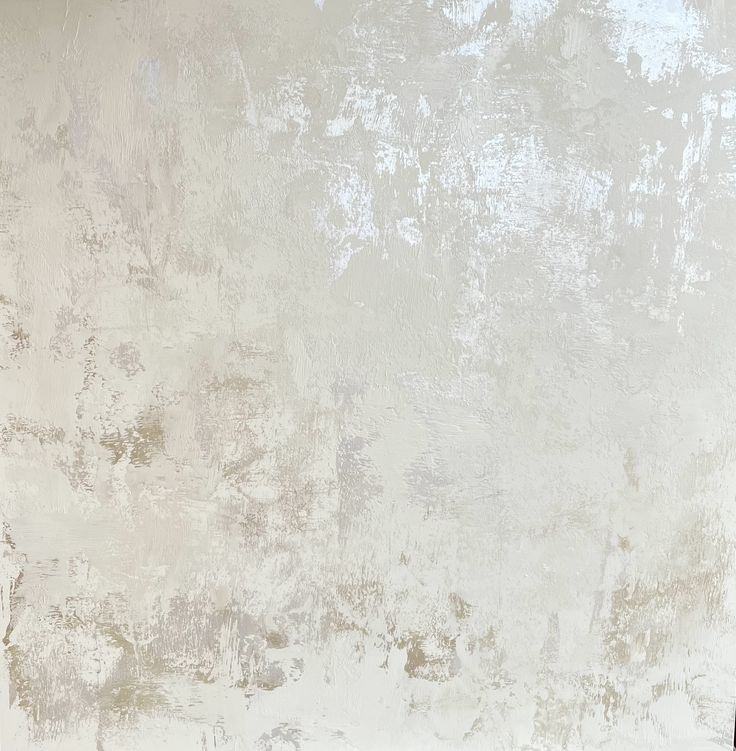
[[367, 375]]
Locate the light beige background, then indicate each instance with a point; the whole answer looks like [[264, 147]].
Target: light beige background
[[367, 374]]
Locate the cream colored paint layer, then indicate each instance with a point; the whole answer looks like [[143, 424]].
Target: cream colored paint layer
[[367, 375]]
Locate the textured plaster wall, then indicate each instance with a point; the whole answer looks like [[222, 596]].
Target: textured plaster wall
[[367, 375]]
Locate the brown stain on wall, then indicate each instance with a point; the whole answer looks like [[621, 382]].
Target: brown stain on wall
[[140, 442]]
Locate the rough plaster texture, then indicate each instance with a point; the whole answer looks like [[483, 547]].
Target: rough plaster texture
[[368, 374]]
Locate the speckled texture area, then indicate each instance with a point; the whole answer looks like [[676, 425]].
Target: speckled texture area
[[367, 375]]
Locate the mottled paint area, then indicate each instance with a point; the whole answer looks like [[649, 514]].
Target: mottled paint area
[[367, 375]]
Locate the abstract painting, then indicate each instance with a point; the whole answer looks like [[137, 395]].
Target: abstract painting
[[367, 375]]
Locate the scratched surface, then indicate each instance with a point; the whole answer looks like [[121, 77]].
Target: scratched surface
[[367, 375]]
